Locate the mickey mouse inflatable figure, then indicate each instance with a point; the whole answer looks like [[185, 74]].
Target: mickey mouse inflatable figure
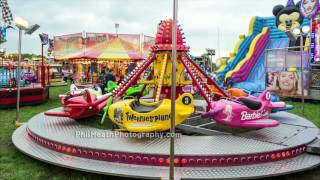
[[288, 18]]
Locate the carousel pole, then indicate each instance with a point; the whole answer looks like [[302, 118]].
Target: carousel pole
[[302, 73], [173, 88]]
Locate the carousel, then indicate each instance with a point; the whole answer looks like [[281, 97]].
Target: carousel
[[223, 135]]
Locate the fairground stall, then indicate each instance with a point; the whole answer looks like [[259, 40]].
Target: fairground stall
[[55, 73], [32, 89], [290, 69], [315, 56], [271, 56], [85, 55]]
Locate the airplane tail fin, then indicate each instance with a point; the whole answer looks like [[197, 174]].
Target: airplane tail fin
[[265, 96]]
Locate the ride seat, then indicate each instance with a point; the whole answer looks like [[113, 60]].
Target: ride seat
[[140, 108], [250, 103]]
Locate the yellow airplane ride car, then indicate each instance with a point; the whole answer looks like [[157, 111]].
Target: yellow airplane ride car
[[140, 116]]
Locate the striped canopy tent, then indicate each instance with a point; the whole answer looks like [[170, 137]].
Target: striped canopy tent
[[102, 47]]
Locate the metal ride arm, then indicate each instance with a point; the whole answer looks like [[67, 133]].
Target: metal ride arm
[[210, 81], [204, 90], [163, 70], [145, 85], [133, 77], [123, 87], [128, 81]]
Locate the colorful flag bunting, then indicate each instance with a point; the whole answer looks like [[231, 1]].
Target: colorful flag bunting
[[6, 12]]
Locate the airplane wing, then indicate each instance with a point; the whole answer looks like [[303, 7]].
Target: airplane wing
[[262, 123]]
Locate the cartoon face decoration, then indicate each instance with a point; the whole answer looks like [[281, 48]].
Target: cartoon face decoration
[[308, 7], [287, 18], [288, 22], [288, 81]]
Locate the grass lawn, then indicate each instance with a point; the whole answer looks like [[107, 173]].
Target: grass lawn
[[15, 165]]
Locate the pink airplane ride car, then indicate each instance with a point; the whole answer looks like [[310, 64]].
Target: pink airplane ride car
[[80, 103], [246, 112]]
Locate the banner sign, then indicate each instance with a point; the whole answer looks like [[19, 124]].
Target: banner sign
[[68, 46], [148, 41], [102, 46]]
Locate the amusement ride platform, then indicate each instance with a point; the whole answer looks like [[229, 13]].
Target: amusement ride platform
[[247, 154]]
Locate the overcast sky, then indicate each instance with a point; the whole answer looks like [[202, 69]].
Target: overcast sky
[[200, 19]]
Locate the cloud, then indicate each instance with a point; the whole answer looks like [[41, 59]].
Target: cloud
[[200, 19]]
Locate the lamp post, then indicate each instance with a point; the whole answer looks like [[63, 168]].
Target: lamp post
[[211, 53], [300, 32], [22, 25], [116, 25]]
